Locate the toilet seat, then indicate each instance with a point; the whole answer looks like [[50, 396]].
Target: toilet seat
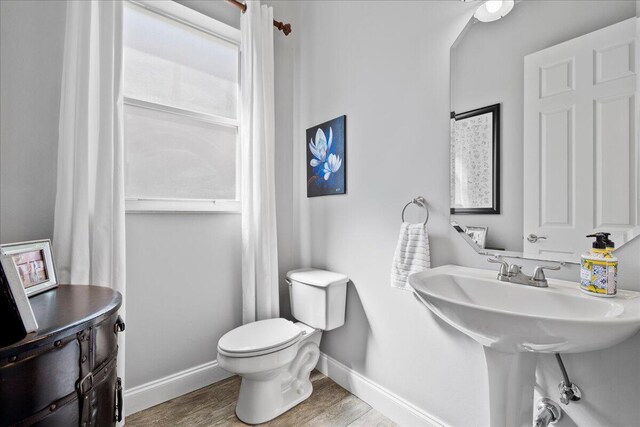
[[259, 338]]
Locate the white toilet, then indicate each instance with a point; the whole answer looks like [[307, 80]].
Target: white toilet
[[274, 357]]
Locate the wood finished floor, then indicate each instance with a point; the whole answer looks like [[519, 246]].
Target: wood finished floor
[[329, 406]]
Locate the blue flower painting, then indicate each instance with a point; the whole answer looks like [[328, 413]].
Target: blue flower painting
[[326, 162]]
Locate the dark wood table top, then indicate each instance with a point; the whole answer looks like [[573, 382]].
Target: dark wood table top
[[66, 310]]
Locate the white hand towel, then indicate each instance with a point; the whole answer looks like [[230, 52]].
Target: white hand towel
[[412, 254]]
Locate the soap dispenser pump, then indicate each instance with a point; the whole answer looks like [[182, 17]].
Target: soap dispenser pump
[[599, 268]]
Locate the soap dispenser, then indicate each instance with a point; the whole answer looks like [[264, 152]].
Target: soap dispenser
[[599, 268], [611, 246]]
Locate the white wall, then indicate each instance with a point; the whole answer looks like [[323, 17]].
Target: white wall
[[490, 69], [386, 66]]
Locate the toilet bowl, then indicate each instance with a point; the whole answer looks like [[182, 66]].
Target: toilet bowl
[[275, 357]]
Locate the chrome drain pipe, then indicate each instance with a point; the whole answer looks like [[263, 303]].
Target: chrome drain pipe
[[549, 412]]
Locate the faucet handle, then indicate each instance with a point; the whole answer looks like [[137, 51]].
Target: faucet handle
[[514, 269], [504, 265], [538, 273]]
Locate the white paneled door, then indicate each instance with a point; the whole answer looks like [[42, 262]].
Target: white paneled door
[[580, 149]]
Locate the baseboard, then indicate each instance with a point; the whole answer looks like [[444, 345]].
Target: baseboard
[[155, 392], [389, 404]]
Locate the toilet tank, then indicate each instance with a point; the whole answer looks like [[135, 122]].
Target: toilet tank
[[318, 297]]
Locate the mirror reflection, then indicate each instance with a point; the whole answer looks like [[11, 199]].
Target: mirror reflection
[[543, 129]]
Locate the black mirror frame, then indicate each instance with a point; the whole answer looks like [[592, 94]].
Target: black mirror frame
[[495, 109]]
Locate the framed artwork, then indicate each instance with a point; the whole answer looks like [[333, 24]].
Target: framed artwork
[[29, 265], [478, 234], [475, 161], [326, 158]]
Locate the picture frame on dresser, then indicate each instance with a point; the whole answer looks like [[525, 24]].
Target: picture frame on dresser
[[29, 265], [16, 315]]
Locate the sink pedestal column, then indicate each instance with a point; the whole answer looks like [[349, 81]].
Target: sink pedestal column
[[512, 379]]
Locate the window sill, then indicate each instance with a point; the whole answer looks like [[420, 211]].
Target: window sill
[[181, 206]]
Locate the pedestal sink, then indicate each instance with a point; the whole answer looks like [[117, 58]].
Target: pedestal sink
[[513, 322]]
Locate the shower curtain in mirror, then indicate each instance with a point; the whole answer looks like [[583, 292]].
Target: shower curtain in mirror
[[257, 140], [88, 236]]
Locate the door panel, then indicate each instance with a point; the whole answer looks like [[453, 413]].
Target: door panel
[[613, 166], [580, 152], [556, 153]]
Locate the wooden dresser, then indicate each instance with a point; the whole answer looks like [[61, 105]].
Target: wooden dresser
[[65, 373]]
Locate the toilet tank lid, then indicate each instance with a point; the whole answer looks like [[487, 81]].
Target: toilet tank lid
[[316, 277]]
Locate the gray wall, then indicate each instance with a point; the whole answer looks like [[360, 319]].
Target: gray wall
[[386, 66], [31, 44], [183, 291], [490, 69], [176, 309]]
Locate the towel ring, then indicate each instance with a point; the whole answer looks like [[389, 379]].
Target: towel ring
[[418, 201]]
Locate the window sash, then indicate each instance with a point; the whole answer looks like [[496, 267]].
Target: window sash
[[181, 205], [191, 18], [151, 204], [201, 117]]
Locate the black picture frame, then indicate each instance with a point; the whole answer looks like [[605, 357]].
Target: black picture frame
[[333, 139], [495, 111], [16, 316]]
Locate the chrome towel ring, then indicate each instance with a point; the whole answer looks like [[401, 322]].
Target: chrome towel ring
[[418, 201]]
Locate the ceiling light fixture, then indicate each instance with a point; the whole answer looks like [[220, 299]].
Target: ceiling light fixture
[[493, 10]]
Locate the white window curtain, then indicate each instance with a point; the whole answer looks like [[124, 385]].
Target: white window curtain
[[260, 297], [88, 236]]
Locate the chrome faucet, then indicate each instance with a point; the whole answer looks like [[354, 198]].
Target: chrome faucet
[[513, 273]]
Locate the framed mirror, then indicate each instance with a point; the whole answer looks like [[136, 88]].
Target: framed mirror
[[544, 129], [475, 155]]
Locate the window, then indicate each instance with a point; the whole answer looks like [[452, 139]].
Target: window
[[180, 109]]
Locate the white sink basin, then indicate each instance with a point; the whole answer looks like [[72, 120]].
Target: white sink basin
[[514, 322], [509, 317]]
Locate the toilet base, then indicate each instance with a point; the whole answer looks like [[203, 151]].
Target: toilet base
[[259, 403], [267, 395]]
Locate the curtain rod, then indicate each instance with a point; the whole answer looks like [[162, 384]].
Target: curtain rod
[[285, 28]]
